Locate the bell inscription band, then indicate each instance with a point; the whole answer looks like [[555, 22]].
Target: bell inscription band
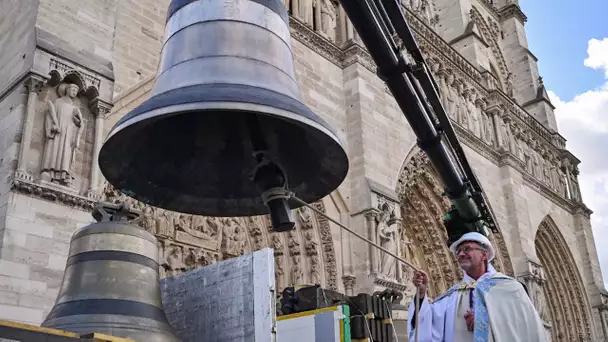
[[111, 281], [225, 132]]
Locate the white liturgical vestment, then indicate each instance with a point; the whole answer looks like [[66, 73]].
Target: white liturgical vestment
[[503, 313]]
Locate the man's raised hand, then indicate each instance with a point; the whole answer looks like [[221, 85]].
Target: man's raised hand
[[421, 281]]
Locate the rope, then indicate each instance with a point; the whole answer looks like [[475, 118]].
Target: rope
[[416, 297]]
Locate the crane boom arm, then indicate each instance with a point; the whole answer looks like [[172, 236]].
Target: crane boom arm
[[384, 30]]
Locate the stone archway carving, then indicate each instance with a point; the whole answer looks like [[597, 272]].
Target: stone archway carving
[[568, 305], [423, 206], [305, 255]]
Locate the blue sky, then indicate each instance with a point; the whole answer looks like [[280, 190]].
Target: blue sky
[[558, 34], [570, 40]]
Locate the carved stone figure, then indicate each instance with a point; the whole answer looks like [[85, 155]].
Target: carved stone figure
[[296, 270], [201, 227], [293, 244], [451, 97], [426, 11], [310, 244], [305, 218], [63, 127], [387, 231], [407, 250], [474, 121], [461, 109], [173, 263], [276, 244], [233, 238], [279, 272], [315, 270], [149, 221], [256, 232], [509, 85], [164, 224], [328, 19], [306, 11]]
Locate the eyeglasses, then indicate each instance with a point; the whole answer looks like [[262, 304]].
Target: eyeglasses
[[468, 249]]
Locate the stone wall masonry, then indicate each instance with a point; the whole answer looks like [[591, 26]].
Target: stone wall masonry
[[35, 244], [87, 25], [232, 300], [17, 20], [140, 26], [522, 63]]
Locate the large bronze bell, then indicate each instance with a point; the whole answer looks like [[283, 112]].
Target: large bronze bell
[[111, 282], [225, 103]]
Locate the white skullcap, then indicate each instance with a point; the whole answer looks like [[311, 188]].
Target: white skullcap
[[475, 237]]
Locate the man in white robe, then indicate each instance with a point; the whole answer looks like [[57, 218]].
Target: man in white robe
[[485, 306]]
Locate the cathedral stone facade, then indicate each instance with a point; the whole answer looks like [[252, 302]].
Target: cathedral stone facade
[[71, 68]]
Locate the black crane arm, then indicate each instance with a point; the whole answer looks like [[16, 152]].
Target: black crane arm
[[384, 30]]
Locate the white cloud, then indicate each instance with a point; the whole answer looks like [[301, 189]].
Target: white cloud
[[584, 123], [598, 55]]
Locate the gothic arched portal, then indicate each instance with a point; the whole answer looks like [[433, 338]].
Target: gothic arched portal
[[305, 255], [423, 206], [568, 305]]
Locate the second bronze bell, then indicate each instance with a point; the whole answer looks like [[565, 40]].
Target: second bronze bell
[[225, 90], [111, 282]]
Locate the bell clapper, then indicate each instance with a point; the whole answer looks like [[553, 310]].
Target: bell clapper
[[271, 181]]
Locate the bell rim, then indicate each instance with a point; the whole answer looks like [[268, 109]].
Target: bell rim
[[137, 116], [186, 108]]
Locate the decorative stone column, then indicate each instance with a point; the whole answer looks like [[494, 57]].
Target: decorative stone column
[[349, 284], [99, 109], [372, 233], [34, 85]]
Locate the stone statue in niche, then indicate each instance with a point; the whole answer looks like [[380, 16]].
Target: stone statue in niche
[[509, 85], [296, 270], [63, 128], [387, 231], [306, 11], [328, 19], [474, 121], [461, 111], [451, 96]]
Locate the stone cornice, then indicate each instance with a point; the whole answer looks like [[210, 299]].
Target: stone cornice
[[351, 52], [511, 11], [429, 40], [26, 187]]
